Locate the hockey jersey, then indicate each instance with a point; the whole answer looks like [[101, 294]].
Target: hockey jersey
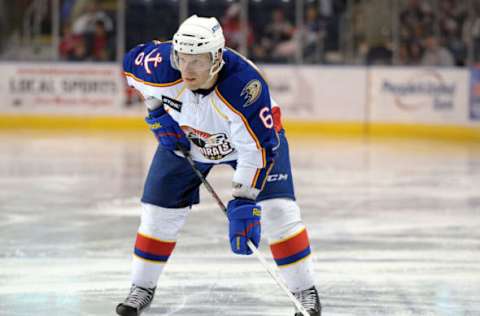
[[232, 122]]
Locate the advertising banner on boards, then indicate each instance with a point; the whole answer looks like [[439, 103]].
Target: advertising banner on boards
[[61, 88], [418, 95]]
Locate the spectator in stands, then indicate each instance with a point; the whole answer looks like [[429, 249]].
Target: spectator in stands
[[452, 17], [85, 23], [313, 36], [454, 42], [415, 52], [67, 44], [331, 12], [233, 28], [95, 27], [435, 54], [278, 41], [416, 21], [101, 50], [79, 52], [379, 54], [471, 32], [412, 16], [3, 25]]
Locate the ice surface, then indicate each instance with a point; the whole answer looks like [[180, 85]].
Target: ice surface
[[395, 226]]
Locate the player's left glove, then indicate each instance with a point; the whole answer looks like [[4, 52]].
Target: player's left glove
[[166, 130], [244, 216]]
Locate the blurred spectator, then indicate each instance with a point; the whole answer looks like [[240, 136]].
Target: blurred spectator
[[313, 36], [85, 23], [379, 55], [411, 18], [415, 21], [331, 13], [452, 17], [418, 20], [3, 24], [233, 28], [79, 52], [435, 54], [471, 32], [101, 45], [278, 43], [415, 52], [68, 42], [89, 37]]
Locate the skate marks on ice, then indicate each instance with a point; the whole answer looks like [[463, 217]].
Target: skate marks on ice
[[395, 228]]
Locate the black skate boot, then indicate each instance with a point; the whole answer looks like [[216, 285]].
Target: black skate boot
[[310, 300], [136, 302]]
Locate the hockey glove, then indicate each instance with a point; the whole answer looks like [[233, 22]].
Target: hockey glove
[[166, 130], [244, 216]]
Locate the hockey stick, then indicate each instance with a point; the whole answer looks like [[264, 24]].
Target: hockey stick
[[273, 273]]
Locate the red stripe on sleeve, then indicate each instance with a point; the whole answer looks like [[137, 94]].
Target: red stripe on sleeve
[[277, 118]]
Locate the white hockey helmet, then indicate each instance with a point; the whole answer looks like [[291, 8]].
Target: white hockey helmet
[[199, 35]]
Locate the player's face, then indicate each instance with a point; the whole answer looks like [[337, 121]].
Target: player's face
[[195, 69]]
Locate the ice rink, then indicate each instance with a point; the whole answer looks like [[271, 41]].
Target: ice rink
[[395, 228]]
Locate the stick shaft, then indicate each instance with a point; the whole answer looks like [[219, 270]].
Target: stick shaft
[[273, 273]]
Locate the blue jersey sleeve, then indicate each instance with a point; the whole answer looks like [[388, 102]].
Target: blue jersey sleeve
[[149, 64], [247, 94]]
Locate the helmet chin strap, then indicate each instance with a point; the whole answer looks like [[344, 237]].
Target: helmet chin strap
[[212, 78]]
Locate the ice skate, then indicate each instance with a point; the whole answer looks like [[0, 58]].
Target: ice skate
[[136, 302], [310, 300]]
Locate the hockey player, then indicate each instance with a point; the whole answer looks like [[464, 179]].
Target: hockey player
[[213, 102]]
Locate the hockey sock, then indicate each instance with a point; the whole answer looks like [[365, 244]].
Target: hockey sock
[[156, 239], [289, 242], [292, 256]]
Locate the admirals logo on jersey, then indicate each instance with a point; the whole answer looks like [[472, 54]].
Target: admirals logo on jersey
[[251, 92], [212, 146]]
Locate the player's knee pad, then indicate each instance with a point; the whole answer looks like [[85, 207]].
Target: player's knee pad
[[161, 222], [280, 218]]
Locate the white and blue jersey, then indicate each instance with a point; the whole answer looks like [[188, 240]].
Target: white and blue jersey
[[232, 122]]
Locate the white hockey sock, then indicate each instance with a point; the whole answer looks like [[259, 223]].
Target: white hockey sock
[[289, 242], [155, 242]]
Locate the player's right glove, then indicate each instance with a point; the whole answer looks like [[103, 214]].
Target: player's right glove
[[244, 216], [166, 130]]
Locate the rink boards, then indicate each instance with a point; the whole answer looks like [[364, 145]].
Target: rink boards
[[314, 99]]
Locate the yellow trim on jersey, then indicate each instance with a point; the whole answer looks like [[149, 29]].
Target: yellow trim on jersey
[[222, 115], [266, 175], [167, 84], [181, 92], [255, 177], [245, 122], [157, 239], [257, 173]]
